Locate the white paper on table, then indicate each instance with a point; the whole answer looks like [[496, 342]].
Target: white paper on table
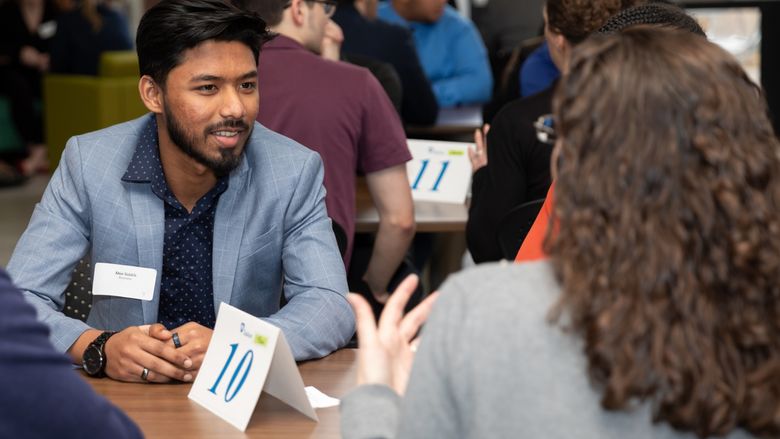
[[319, 400]]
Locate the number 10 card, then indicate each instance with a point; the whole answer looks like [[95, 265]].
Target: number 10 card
[[247, 356]]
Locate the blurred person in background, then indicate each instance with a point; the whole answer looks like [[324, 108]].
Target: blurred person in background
[[515, 168], [26, 30], [84, 33], [539, 71], [450, 49], [365, 35], [340, 111], [656, 14]]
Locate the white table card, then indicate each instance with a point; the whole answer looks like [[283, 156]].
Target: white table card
[[245, 357], [439, 171]]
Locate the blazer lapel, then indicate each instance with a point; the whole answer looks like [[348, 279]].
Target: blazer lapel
[[149, 221], [229, 225]]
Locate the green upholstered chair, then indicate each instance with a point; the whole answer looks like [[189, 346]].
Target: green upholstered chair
[[119, 64], [77, 104], [9, 136]]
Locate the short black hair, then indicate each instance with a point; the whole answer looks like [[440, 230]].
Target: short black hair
[[269, 10], [656, 13], [172, 27]]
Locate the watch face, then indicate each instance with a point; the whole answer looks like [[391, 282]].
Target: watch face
[[93, 360]]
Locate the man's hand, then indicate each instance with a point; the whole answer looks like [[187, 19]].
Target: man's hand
[[478, 155], [193, 337], [331, 41], [133, 349], [387, 350]]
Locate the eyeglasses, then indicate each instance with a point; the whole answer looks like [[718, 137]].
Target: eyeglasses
[[545, 129], [329, 6]]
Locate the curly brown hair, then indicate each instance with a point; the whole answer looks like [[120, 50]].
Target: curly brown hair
[[668, 239], [576, 19]]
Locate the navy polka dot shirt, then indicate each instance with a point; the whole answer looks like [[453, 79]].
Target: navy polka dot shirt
[[186, 287]]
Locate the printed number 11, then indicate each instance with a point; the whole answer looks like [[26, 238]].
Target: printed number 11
[[424, 166], [249, 354]]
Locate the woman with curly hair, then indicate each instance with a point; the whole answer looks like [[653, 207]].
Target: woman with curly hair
[[658, 312]]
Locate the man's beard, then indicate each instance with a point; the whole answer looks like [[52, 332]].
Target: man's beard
[[186, 143]]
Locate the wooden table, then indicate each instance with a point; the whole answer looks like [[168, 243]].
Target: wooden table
[[164, 411], [456, 123], [429, 217]]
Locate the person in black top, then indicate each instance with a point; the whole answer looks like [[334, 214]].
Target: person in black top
[[517, 162], [517, 171], [516, 167], [365, 35], [26, 30], [83, 34]]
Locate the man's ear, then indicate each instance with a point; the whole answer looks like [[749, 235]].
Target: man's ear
[[297, 12], [151, 94]]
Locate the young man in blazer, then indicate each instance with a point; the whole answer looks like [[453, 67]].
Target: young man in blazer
[[224, 209]]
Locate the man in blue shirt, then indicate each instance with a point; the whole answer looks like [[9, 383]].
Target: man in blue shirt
[[451, 50], [538, 72]]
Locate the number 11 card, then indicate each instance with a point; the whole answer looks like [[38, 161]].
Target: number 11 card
[[439, 171]]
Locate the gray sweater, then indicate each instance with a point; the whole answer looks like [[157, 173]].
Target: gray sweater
[[490, 365]]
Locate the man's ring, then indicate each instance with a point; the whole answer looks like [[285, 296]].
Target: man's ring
[[145, 374], [176, 341]]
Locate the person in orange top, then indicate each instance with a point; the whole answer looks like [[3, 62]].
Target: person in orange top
[[531, 248]]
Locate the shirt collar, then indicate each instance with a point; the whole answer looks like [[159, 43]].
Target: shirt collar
[[145, 166], [284, 42]]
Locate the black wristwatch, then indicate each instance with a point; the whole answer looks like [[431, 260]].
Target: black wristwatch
[[94, 359]]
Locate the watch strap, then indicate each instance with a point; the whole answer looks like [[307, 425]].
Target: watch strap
[[100, 343]]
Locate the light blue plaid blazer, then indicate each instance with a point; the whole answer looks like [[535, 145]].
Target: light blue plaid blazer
[[272, 235]]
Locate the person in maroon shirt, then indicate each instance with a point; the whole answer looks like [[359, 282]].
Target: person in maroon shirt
[[340, 111]]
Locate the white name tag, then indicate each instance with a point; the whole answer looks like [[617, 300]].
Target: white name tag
[[47, 30], [124, 281], [245, 357]]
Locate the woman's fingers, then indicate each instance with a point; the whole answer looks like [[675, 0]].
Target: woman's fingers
[[364, 318], [415, 318], [394, 308]]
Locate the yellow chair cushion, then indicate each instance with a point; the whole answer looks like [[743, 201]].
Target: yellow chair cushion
[[76, 104]]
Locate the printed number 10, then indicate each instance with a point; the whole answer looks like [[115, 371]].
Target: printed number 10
[[435, 187], [249, 354]]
